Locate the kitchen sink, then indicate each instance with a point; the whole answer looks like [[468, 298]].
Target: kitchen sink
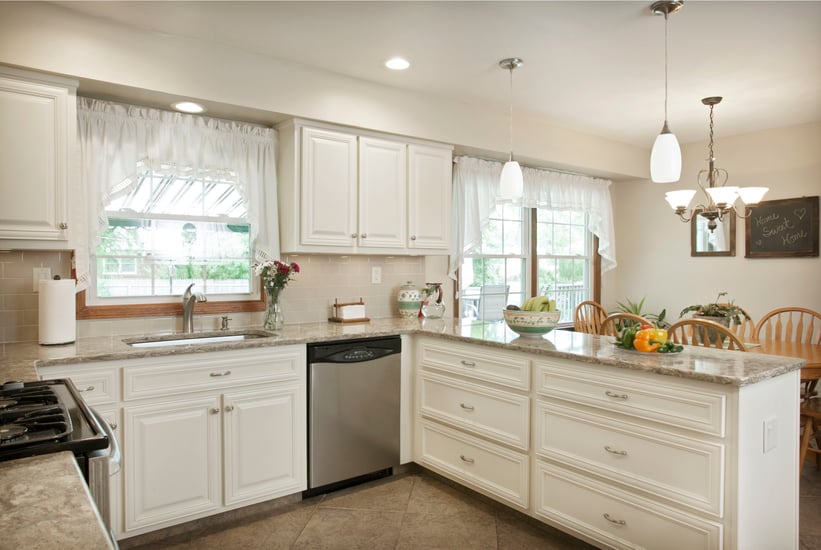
[[195, 339]]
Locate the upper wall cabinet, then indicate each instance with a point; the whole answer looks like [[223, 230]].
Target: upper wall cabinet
[[37, 142], [343, 191]]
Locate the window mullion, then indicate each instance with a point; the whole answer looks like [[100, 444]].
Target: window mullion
[[532, 257]]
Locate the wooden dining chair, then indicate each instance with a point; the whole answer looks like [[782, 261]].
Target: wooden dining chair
[[614, 323], [811, 419], [699, 332], [745, 330], [790, 324], [588, 317]]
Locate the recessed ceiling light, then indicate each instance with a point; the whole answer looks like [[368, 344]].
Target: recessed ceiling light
[[397, 64], [188, 107]]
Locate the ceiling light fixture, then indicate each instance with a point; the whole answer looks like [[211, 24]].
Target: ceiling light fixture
[[720, 197], [665, 158], [188, 107], [397, 64], [512, 182]]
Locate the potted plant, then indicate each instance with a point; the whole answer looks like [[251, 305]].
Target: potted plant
[[719, 312]]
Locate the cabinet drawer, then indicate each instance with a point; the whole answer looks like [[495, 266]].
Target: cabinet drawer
[[479, 362], [175, 375], [676, 403], [97, 386], [683, 470], [617, 518], [488, 468], [497, 414]]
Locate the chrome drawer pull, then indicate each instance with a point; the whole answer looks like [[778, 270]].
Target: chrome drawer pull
[[616, 521], [613, 451], [466, 407], [468, 363], [113, 425], [229, 408], [215, 410], [90, 388], [466, 459], [608, 393], [223, 373]]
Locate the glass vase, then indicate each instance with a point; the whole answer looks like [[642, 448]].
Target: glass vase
[[273, 310]]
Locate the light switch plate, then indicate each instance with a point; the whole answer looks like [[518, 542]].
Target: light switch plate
[[376, 275], [37, 274], [770, 434]]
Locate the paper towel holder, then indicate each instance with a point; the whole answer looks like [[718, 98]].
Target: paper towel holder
[[341, 312]]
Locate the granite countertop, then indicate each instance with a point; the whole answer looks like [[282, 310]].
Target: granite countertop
[[19, 361], [45, 504]]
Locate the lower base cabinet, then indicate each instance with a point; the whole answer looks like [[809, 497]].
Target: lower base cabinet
[[617, 518]]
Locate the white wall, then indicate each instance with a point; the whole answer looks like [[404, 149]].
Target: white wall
[[653, 246]]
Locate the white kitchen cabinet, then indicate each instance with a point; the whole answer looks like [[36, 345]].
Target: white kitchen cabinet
[[37, 144], [264, 434], [468, 429], [660, 461], [201, 433], [348, 191], [429, 197], [172, 453]]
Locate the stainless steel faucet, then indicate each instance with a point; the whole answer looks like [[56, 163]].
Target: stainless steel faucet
[[188, 300]]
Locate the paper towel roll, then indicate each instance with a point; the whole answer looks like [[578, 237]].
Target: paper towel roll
[[57, 320]]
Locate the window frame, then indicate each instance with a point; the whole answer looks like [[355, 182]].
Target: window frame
[[532, 265]]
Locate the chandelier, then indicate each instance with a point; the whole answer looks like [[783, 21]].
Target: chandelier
[[713, 183]]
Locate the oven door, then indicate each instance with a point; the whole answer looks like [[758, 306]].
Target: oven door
[[101, 465]]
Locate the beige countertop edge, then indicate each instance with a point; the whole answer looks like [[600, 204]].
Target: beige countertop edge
[[19, 361], [45, 504]]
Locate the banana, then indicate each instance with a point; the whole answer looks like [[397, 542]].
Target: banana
[[539, 303]]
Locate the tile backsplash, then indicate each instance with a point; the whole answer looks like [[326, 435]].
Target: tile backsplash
[[307, 298]]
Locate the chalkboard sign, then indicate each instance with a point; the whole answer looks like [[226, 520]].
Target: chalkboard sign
[[782, 228]]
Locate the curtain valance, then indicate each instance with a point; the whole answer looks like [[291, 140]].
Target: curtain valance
[[476, 194]]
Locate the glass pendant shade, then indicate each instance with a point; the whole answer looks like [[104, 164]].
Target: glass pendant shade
[[723, 195], [752, 195], [512, 184], [665, 158], [679, 199]]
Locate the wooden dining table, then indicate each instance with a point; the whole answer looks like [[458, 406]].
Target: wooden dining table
[[811, 353]]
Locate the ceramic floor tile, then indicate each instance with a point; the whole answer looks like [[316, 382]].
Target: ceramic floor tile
[[516, 533], [343, 529], [808, 542], [434, 531], [809, 516], [393, 494], [810, 481], [430, 496]]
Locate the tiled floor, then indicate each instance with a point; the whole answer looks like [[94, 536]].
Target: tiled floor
[[417, 511]]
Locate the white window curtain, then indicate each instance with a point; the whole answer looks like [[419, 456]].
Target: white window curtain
[[476, 194], [115, 139]]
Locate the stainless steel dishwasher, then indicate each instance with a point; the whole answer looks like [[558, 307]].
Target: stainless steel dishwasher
[[353, 411]]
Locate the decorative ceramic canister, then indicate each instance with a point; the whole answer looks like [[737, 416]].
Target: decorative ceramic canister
[[409, 300]]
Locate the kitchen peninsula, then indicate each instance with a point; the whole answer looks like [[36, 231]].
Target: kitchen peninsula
[[724, 423]]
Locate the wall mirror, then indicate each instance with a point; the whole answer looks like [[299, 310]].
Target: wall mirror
[[719, 242]]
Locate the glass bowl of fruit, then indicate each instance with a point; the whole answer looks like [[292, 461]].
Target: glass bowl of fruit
[[535, 318]]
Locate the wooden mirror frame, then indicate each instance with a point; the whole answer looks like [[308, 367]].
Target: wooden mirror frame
[[729, 217]]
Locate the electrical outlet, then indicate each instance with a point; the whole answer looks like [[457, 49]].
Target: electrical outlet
[[376, 275], [770, 434], [37, 274]]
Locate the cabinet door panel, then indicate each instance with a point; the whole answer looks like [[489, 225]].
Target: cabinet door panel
[[34, 143], [172, 461], [429, 191], [264, 443], [328, 189], [381, 193]]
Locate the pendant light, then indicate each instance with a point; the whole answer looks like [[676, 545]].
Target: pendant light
[[665, 158], [512, 182]]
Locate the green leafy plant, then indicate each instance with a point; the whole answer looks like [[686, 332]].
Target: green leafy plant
[[727, 310], [636, 308]]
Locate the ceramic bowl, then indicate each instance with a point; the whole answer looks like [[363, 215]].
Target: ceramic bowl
[[531, 324]]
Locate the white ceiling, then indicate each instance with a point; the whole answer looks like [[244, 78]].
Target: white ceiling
[[597, 67]]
